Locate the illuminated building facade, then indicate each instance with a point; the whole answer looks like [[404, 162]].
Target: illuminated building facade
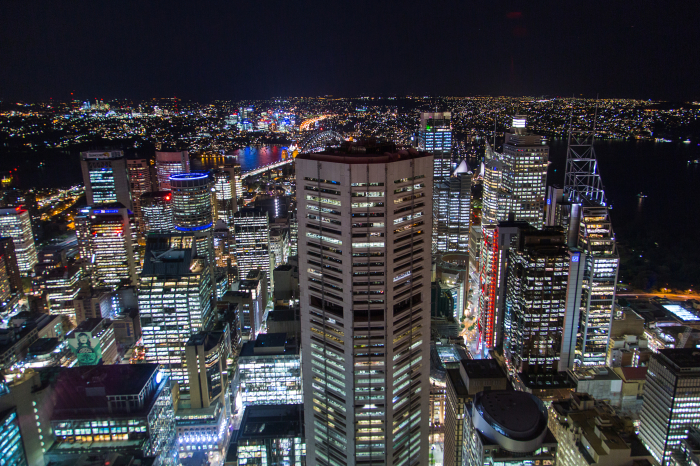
[[140, 183], [105, 177], [106, 241], [225, 195], [269, 371], [157, 212], [525, 161], [496, 242], [435, 136], [175, 300], [269, 436], [119, 408], [456, 235], [365, 239], [62, 287], [203, 419], [170, 163], [535, 304], [279, 247], [5, 288], [16, 224], [251, 299], [11, 447], [251, 236], [596, 240], [671, 401]]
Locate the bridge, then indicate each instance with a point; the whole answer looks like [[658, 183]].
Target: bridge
[[306, 124], [315, 142], [265, 168]]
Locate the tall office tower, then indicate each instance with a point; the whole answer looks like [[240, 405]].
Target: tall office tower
[[525, 160], [671, 402], [5, 288], [170, 163], [251, 236], [496, 242], [157, 212], [175, 300], [140, 183], [364, 237], [11, 445], [16, 224], [105, 177], [106, 240], [7, 250], [225, 195], [458, 210], [597, 242], [495, 199], [435, 135], [538, 268], [193, 209]]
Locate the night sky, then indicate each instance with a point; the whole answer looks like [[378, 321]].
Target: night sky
[[239, 49]]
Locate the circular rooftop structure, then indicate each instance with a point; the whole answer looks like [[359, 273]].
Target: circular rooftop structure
[[516, 420], [193, 179]]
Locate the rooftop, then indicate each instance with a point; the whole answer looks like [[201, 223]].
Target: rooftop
[[682, 358], [366, 151], [482, 369]]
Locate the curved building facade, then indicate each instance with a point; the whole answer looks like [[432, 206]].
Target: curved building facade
[[192, 201], [508, 425]]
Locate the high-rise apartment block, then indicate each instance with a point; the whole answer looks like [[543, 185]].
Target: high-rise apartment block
[[671, 401], [16, 224], [175, 300], [170, 163], [105, 177], [458, 212], [364, 236], [225, 195]]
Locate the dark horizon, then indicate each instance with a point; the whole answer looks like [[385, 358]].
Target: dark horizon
[[236, 51]]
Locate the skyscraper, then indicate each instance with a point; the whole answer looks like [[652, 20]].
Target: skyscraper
[[105, 177], [170, 163], [597, 241], [106, 240], [365, 239], [157, 212], [458, 210], [251, 236], [16, 224], [515, 180], [671, 401], [140, 183], [225, 195], [536, 301], [175, 300], [435, 135]]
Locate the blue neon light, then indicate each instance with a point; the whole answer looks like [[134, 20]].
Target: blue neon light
[[575, 257], [108, 211], [209, 225], [189, 176]]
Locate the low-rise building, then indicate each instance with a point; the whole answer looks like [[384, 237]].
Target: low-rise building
[[588, 432], [122, 408], [269, 371], [269, 435]]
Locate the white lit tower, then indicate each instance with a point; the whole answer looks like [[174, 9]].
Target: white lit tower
[[365, 242], [251, 243], [15, 223], [157, 212], [174, 300], [225, 194], [435, 136]]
